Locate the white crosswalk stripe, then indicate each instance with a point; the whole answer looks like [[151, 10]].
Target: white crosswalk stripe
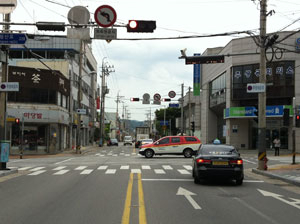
[[188, 167], [167, 167], [61, 172], [37, 168], [145, 167], [87, 171], [59, 168], [37, 173], [124, 167], [183, 171], [136, 171], [102, 167], [159, 171], [25, 168], [81, 168], [110, 171]]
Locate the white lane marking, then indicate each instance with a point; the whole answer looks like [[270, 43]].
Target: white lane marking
[[253, 181], [183, 171], [37, 173], [87, 171], [133, 153], [159, 171], [127, 154], [136, 171], [81, 168], [124, 167], [61, 172], [115, 155], [64, 161], [36, 169], [97, 154], [59, 168], [146, 167], [167, 167], [102, 167], [102, 155], [110, 171], [248, 161], [188, 167], [188, 195], [25, 168]]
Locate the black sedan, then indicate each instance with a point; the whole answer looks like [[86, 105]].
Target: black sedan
[[112, 142], [216, 162]]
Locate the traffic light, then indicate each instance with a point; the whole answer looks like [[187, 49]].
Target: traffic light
[[193, 126], [204, 59], [81, 124], [53, 26], [166, 99], [286, 117], [17, 121], [297, 121], [134, 99], [141, 26]]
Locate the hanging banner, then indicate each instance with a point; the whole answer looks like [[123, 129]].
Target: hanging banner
[[197, 77]]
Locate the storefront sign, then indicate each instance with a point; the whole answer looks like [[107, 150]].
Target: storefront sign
[[246, 112], [197, 78]]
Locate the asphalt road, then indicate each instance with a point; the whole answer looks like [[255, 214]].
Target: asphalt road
[[116, 186]]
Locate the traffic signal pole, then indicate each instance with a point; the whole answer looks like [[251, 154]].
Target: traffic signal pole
[[262, 96]]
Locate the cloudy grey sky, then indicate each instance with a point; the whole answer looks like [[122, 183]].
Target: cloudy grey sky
[[152, 66]]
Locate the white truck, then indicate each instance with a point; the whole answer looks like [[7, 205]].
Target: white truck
[[140, 134]]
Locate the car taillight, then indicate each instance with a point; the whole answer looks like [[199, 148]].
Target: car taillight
[[236, 162], [203, 161]]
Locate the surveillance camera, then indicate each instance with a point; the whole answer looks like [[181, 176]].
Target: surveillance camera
[[183, 52]]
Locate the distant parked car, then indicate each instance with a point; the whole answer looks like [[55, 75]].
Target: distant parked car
[[112, 142], [172, 145], [215, 161], [128, 140]]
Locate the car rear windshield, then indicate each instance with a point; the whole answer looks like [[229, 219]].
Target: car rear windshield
[[219, 150], [127, 138]]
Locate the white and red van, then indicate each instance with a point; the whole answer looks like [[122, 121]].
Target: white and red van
[[171, 145]]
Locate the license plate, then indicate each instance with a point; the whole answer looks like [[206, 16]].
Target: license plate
[[220, 163]]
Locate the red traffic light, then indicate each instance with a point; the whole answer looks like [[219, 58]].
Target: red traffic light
[[298, 117], [141, 26], [132, 24], [134, 99], [17, 121]]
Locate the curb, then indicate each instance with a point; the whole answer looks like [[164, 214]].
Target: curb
[[7, 172], [275, 176]]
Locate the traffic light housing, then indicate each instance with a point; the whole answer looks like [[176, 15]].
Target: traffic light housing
[[17, 121], [134, 99], [193, 126], [141, 26], [53, 26], [166, 99], [297, 120], [286, 117], [81, 124]]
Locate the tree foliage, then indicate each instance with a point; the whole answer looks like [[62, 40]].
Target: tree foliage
[[171, 114]]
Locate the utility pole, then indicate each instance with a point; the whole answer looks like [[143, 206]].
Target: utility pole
[[190, 108], [262, 96], [118, 125], [106, 70], [3, 95], [182, 89]]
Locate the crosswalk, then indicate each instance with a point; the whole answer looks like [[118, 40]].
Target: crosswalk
[[103, 154], [106, 169]]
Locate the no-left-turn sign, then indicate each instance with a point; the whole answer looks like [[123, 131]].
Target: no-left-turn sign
[[105, 16]]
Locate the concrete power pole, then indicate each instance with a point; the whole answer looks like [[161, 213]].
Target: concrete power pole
[[190, 114], [181, 122], [262, 96]]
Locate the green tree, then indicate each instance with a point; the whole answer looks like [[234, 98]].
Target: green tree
[[171, 113]]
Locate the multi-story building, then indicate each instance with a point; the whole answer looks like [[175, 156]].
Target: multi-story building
[[50, 72], [228, 110]]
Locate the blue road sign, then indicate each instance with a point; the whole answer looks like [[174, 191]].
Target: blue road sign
[[12, 38], [173, 104], [164, 123]]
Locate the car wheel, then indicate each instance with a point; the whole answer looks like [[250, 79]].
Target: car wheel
[[239, 182], [188, 153], [149, 153]]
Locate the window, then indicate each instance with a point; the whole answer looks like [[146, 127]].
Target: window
[[58, 98], [190, 139], [175, 139], [164, 141], [64, 101]]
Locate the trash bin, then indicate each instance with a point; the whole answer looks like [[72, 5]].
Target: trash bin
[[4, 151]]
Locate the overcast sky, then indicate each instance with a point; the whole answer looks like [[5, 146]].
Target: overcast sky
[[152, 66]]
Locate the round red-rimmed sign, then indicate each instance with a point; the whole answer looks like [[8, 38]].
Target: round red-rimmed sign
[[171, 94], [105, 16]]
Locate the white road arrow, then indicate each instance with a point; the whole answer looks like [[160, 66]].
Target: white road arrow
[[188, 195], [295, 203]]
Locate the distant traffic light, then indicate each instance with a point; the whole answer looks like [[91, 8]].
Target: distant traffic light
[[141, 26], [134, 99], [17, 121], [212, 59], [53, 26], [81, 124], [193, 126], [297, 121], [166, 99], [286, 117]]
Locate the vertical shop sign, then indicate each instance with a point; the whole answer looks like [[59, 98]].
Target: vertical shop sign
[[197, 77]]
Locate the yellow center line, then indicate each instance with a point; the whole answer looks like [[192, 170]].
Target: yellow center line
[[126, 213], [142, 210]]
